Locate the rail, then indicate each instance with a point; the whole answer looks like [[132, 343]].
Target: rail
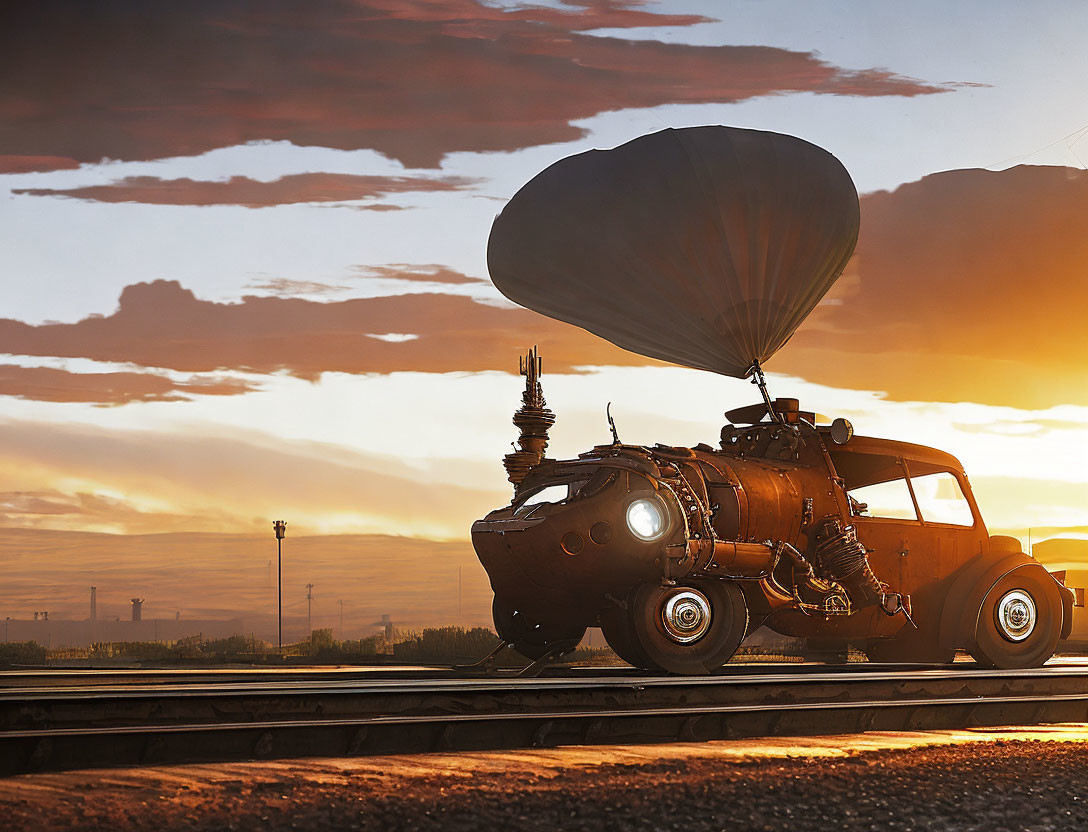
[[167, 718]]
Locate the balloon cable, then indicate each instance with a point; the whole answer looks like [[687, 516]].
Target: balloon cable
[[759, 381]]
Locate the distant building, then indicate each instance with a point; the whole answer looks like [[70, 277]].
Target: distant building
[[1068, 559]]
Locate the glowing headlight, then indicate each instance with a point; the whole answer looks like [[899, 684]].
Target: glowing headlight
[[646, 519]]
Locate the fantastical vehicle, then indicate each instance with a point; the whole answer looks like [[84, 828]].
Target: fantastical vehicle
[[707, 247]]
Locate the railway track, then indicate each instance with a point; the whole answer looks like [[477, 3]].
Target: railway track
[[143, 718]]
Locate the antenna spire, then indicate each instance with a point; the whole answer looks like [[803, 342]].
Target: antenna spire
[[612, 424], [533, 419]]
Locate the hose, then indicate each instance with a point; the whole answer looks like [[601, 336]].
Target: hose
[[844, 558]]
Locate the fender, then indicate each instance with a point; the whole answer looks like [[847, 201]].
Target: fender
[[1068, 599], [969, 590]]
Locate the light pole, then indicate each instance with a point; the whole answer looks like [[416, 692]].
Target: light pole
[[309, 598], [281, 531], [341, 603]]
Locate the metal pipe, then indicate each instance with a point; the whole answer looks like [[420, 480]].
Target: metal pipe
[[759, 381]]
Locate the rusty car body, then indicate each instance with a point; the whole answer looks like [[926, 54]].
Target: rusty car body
[[679, 553]]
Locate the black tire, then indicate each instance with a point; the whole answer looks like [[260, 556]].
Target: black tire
[[619, 631], [712, 648], [533, 638], [993, 646]]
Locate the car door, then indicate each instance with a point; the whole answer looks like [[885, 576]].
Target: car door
[[886, 516]]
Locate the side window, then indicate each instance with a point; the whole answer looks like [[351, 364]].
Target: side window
[[941, 500], [883, 499], [876, 485]]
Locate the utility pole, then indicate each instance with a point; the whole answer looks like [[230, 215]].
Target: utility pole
[[281, 531], [309, 598], [341, 603]]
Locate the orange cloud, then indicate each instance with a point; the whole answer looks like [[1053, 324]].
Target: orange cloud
[[250, 193], [413, 80], [967, 285], [48, 384], [160, 324], [429, 273]]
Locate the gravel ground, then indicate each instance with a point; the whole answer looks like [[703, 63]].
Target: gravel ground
[[997, 785]]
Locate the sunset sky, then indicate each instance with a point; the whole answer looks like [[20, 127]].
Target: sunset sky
[[242, 247]]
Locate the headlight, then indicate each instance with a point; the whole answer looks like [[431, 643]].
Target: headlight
[[646, 519]]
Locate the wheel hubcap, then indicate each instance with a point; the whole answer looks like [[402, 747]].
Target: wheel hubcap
[[685, 615], [1015, 614]]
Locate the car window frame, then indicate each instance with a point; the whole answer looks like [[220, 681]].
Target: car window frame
[[916, 521], [964, 492]]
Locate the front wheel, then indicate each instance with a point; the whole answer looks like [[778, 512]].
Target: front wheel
[[619, 631], [1019, 622], [532, 638], [690, 629]]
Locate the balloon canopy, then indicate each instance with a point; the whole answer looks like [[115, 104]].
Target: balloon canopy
[[703, 246]]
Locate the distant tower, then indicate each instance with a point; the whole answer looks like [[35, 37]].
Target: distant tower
[[533, 420], [94, 604], [387, 622], [137, 609]]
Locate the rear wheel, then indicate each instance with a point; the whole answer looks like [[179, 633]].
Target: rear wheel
[[531, 637], [1020, 621], [690, 629]]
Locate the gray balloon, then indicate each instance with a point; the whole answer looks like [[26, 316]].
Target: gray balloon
[[702, 246]]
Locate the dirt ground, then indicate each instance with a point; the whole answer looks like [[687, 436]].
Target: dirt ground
[[996, 780]]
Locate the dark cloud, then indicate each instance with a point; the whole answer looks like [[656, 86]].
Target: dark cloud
[[967, 285], [130, 80], [31, 164], [251, 193], [48, 384]]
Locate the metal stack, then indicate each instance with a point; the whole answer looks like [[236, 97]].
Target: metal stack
[[533, 419]]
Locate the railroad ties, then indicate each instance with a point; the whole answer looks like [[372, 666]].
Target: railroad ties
[[52, 722]]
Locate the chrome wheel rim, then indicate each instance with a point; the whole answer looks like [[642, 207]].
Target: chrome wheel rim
[[1016, 615], [685, 615]]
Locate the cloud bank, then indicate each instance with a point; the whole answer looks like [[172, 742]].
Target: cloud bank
[[415, 81]]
